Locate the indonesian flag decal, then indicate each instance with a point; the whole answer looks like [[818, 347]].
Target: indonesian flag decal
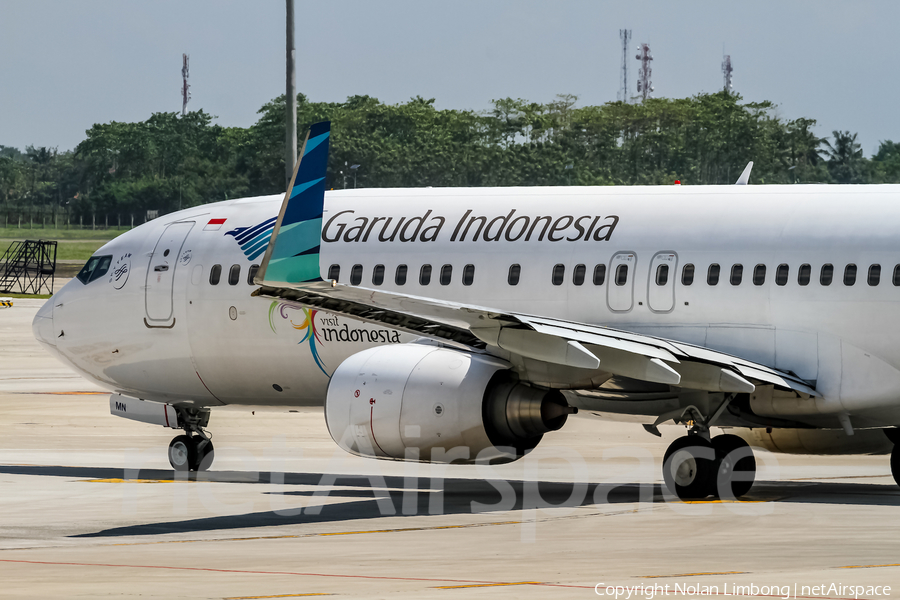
[[214, 224]]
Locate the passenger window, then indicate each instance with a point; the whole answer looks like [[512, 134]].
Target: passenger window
[[251, 273], [827, 274], [850, 274], [513, 277], [446, 274], [95, 268], [334, 272], [896, 278], [782, 274], [559, 273], [468, 274], [874, 275], [621, 275], [578, 274], [234, 274], [378, 275], [759, 274], [425, 275], [599, 274], [356, 275], [712, 276], [737, 274], [804, 274], [214, 274], [662, 274], [400, 275], [687, 274]]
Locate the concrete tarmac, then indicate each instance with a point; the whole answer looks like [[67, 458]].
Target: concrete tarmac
[[90, 508]]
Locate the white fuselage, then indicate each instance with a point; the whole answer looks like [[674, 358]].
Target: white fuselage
[[167, 334]]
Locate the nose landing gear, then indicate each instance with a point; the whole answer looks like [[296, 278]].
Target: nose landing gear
[[193, 451]]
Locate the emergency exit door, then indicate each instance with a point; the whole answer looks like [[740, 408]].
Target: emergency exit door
[[620, 289], [661, 284], [161, 274]]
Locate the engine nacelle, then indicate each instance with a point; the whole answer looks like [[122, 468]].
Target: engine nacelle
[[818, 441], [427, 403]]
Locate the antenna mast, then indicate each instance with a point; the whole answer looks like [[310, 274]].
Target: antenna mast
[[726, 71], [185, 87], [644, 85], [625, 36], [290, 96]]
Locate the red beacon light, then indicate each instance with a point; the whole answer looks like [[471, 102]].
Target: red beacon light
[[677, 182]]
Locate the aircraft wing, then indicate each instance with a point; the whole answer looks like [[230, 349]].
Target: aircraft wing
[[555, 341], [582, 352]]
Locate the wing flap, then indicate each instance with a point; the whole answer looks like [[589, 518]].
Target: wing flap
[[556, 341]]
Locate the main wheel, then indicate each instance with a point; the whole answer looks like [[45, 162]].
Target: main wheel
[[689, 467], [183, 453], [735, 465], [895, 463], [205, 454]]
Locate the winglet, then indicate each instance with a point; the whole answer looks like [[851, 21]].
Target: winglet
[[744, 179], [293, 252]]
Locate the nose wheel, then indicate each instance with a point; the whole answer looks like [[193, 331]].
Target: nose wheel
[[191, 453]]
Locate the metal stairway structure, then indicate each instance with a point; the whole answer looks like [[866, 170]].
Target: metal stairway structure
[[28, 267]]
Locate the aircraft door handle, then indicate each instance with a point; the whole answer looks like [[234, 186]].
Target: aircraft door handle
[[161, 268]]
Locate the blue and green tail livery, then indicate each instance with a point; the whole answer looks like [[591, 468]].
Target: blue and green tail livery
[[293, 253]]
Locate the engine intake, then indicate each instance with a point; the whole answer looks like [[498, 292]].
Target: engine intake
[[419, 402]]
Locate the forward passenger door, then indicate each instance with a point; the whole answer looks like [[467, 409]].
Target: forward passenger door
[[161, 275]]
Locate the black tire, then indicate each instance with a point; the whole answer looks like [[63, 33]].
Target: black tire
[[689, 467], [205, 454], [893, 434], [895, 464], [183, 453], [733, 455]]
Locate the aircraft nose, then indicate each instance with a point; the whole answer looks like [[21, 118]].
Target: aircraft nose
[[42, 326]]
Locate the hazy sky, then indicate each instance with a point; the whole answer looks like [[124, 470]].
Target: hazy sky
[[69, 64]]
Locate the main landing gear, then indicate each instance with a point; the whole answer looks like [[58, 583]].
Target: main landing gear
[[696, 466], [893, 434], [193, 451]]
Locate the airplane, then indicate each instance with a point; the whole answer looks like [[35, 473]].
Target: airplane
[[464, 324]]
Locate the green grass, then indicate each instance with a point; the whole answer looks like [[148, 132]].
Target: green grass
[[14, 233], [74, 244], [67, 250]]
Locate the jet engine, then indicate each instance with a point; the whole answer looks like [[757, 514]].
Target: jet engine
[[428, 403]]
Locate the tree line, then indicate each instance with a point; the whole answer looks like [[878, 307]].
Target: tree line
[[172, 161]]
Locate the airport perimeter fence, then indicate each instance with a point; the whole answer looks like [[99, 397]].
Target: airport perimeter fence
[[49, 217]]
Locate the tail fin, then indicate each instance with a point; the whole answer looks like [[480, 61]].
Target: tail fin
[[293, 252]]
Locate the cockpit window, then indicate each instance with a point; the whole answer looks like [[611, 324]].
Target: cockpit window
[[95, 268]]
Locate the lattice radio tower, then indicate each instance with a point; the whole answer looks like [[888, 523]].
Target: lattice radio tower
[[726, 71], [644, 85], [625, 36], [185, 87]]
